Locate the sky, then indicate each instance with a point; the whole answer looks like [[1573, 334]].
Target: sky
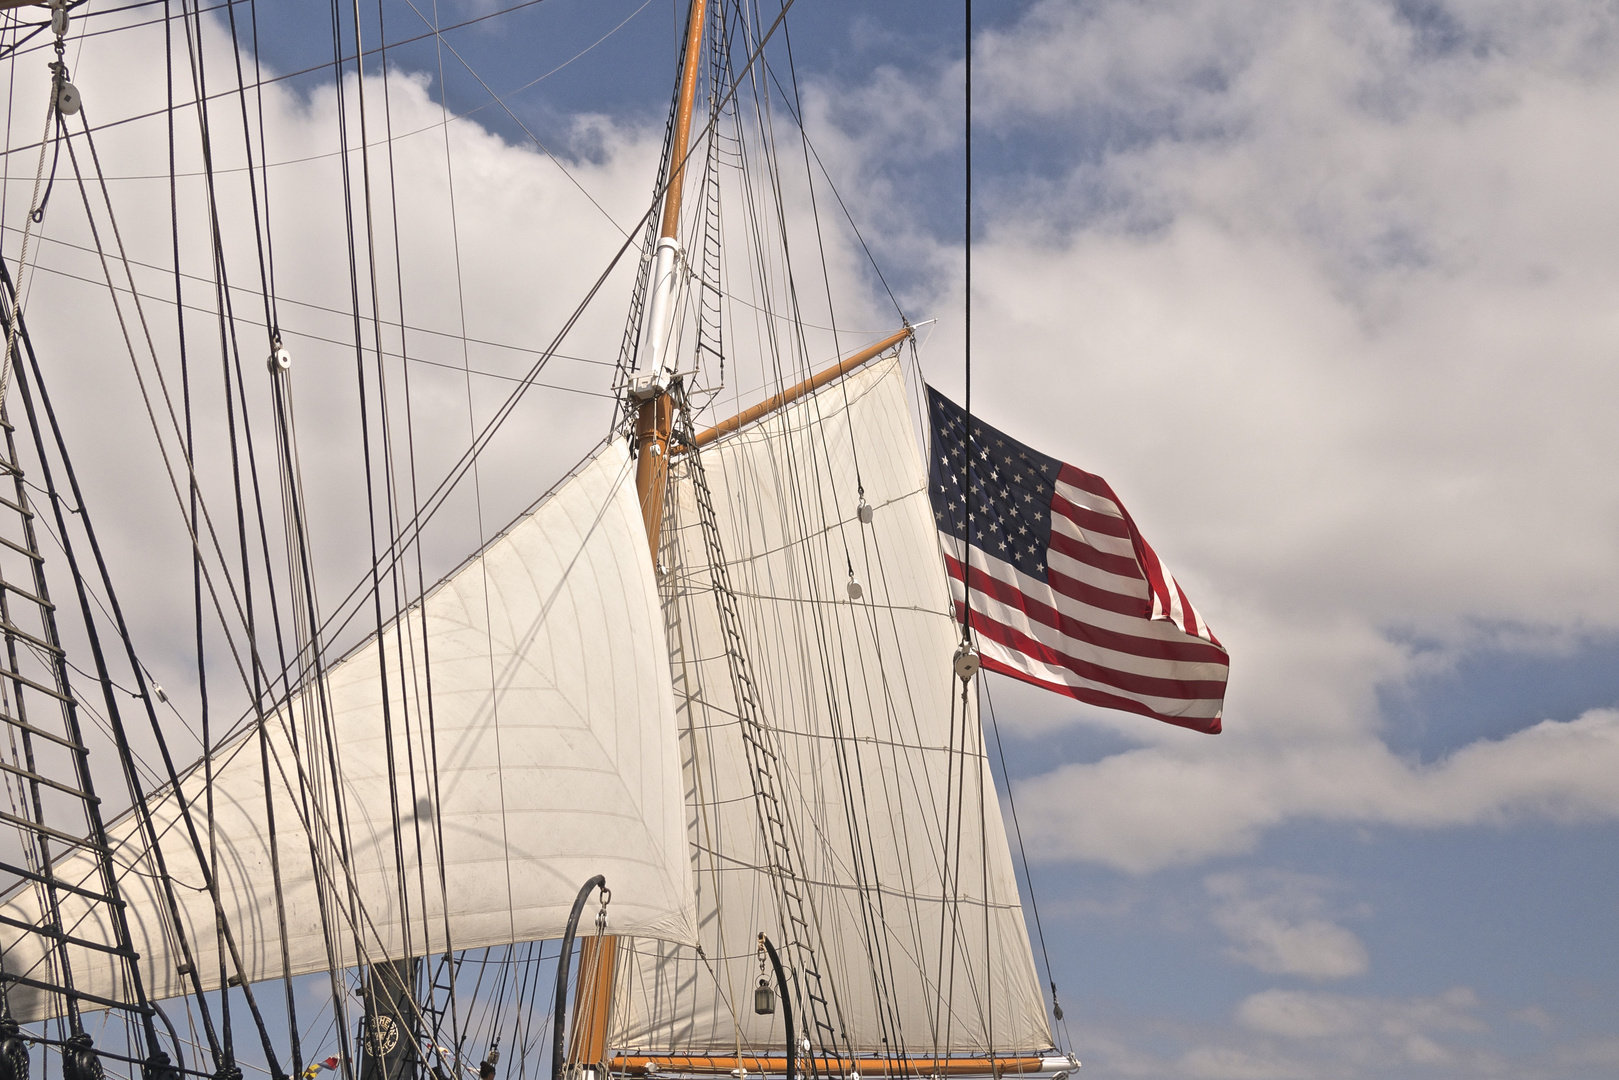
[[1329, 293]]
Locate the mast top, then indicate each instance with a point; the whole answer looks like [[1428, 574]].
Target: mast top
[[679, 146]]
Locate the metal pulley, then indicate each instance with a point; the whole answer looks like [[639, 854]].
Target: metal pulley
[[966, 662], [280, 360], [864, 511], [856, 590], [66, 95]]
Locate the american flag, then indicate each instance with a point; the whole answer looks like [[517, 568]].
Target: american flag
[[1065, 592]]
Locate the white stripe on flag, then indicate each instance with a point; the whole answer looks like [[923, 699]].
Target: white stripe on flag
[[986, 570]]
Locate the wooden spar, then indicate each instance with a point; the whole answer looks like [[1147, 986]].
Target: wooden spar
[[678, 148], [653, 423], [793, 393], [874, 1067], [654, 420]]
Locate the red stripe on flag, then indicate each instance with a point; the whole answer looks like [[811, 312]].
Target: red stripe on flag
[[1159, 580], [1088, 482], [1193, 651], [1094, 596], [1104, 700], [1188, 690], [1086, 518], [1118, 565]]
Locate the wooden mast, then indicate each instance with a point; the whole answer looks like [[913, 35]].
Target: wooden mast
[[654, 420], [654, 423]]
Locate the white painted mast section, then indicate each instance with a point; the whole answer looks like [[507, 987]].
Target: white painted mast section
[[655, 372]]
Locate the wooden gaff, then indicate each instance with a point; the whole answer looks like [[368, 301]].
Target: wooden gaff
[[793, 393]]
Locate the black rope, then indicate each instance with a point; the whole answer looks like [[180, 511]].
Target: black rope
[[227, 1053], [873, 921], [389, 498], [338, 68], [1028, 874], [264, 162], [302, 573], [277, 78], [229, 351], [809, 147], [38, 214], [125, 754], [262, 237], [967, 357], [440, 494], [114, 716], [260, 226], [799, 479], [389, 494], [400, 598]]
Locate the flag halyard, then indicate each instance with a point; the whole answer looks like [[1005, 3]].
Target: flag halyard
[[1066, 593]]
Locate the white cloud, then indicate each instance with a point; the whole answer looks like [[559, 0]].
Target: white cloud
[[1233, 1063], [1159, 806], [514, 212], [1276, 923], [1276, 1034], [1602, 1053], [1298, 1014], [1324, 291], [1535, 1017], [1368, 1032], [1328, 307], [520, 245], [1326, 299]]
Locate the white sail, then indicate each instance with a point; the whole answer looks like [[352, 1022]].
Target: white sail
[[553, 730], [916, 926]]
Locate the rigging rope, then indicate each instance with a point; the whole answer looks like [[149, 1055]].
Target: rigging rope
[[1028, 874], [967, 488], [477, 482], [36, 214]]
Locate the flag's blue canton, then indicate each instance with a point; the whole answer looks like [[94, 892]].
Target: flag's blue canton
[[1010, 484]]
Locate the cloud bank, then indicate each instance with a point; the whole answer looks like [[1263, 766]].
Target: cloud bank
[[1324, 290], [1278, 924]]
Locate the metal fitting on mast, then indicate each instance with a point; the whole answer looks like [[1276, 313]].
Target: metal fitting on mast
[[653, 376]]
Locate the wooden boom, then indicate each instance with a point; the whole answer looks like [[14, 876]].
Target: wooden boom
[[872, 1067]]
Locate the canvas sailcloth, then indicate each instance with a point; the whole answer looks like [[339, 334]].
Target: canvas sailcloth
[[553, 730], [919, 932]]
